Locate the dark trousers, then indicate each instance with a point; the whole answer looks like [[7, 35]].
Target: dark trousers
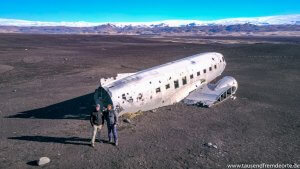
[[112, 130]]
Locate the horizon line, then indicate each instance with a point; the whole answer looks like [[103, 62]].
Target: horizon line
[[21, 22], [173, 19]]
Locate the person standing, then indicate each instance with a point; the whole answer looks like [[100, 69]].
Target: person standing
[[111, 118], [97, 122]]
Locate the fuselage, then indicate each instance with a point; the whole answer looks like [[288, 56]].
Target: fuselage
[[164, 84]]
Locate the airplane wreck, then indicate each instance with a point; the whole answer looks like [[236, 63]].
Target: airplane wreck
[[188, 80]]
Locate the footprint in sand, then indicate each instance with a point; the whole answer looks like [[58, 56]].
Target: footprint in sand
[[5, 68], [32, 59]]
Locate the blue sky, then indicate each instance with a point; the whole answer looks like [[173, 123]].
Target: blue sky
[[139, 10]]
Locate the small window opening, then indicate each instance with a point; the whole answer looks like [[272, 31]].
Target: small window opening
[[167, 86], [158, 90], [184, 80], [198, 73], [123, 96], [176, 84], [223, 96], [229, 91]]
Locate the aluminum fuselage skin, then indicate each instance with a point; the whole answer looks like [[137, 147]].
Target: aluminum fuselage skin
[[156, 87]]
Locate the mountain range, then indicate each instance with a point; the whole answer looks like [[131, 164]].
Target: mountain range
[[281, 23]]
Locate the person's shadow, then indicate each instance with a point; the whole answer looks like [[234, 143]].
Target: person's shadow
[[76, 108], [61, 140]]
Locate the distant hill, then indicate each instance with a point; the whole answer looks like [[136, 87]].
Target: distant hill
[[249, 26]]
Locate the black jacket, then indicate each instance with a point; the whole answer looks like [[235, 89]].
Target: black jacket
[[96, 118], [111, 117]]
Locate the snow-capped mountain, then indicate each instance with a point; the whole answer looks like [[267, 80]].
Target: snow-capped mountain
[[267, 20], [275, 25]]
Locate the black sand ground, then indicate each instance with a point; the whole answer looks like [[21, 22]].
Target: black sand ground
[[46, 86]]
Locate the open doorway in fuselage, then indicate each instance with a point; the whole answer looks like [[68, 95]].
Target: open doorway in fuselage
[[102, 97]]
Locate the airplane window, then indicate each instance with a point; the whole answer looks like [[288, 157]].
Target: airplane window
[[123, 96], [229, 91], [158, 90], [198, 73], [191, 76], [215, 66], [184, 80], [223, 96], [204, 70], [167, 86], [210, 68], [176, 84]]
